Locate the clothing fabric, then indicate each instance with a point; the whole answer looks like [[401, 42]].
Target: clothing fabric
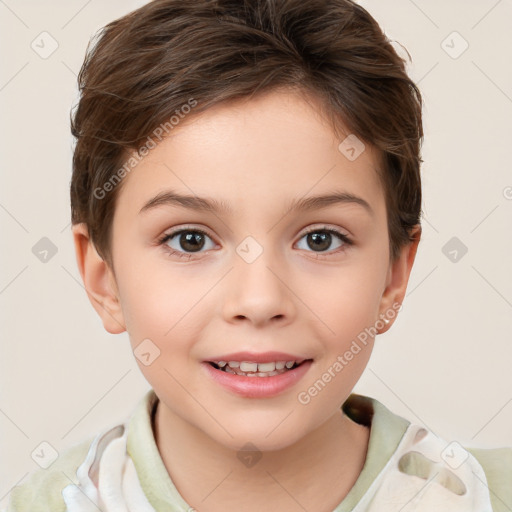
[[407, 468]]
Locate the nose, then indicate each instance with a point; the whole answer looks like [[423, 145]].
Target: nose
[[259, 292]]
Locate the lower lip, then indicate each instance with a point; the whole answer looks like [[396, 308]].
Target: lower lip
[[258, 387]]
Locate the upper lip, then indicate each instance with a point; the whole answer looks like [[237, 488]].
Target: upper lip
[[261, 357]]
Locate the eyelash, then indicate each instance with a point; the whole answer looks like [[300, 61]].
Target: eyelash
[[168, 236]]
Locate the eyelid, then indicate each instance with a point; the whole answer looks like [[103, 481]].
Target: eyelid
[[175, 231], [319, 227], [325, 227], [345, 238]]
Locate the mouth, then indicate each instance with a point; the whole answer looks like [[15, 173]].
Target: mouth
[[246, 379], [252, 369]]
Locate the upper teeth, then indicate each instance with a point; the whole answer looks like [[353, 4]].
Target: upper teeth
[[246, 366]]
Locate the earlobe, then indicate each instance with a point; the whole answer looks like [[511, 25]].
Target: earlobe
[[397, 280], [99, 281]]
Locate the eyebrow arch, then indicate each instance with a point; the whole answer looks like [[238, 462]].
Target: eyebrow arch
[[172, 198], [337, 197]]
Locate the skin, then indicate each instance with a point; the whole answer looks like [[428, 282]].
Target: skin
[[256, 156]]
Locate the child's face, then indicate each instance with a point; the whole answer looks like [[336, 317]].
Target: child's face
[[306, 296]]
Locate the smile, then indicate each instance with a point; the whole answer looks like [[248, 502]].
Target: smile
[[256, 380], [250, 369]]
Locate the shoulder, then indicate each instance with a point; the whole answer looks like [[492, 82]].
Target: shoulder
[[42, 490], [497, 466]]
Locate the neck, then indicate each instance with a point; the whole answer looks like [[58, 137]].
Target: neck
[[320, 468]]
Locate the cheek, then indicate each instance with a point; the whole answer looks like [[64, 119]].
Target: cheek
[[148, 299], [159, 308], [345, 300], [161, 303]]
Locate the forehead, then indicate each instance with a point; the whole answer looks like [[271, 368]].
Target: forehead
[[270, 149]]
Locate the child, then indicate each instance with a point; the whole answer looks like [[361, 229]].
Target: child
[[246, 204]]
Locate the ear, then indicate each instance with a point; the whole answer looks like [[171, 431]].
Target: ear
[[99, 281], [397, 279]]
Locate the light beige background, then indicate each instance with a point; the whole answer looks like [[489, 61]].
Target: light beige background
[[446, 363]]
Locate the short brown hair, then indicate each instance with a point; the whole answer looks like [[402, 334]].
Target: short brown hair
[[144, 67]]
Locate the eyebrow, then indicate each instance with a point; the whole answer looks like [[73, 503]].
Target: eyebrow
[[172, 198]]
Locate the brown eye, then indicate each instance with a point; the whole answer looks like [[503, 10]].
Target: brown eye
[[191, 241], [321, 240], [187, 241]]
